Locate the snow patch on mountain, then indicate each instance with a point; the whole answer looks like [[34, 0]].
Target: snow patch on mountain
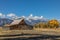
[[31, 20]]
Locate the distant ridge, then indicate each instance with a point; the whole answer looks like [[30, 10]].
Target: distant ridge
[[30, 20], [4, 21]]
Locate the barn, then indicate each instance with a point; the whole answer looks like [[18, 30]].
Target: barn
[[19, 24]]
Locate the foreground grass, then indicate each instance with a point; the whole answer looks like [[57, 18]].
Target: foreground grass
[[36, 31]]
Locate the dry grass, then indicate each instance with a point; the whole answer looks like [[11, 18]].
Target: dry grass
[[39, 31], [48, 29]]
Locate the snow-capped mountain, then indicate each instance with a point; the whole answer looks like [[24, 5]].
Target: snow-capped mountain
[[4, 21], [31, 20]]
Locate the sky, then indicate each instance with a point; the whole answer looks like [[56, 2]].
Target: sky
[[47, 8]]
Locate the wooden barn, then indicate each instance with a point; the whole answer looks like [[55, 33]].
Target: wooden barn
[[18, 25]]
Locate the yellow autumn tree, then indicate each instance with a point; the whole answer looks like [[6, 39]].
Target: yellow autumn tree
[[53, 23]]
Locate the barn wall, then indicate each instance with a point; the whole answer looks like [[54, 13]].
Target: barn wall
[[21, 26]]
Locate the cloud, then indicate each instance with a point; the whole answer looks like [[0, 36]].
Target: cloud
[[12, 16], [31, 17], [2, 15], [41, 17]]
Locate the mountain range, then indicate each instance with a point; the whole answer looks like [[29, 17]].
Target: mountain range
[[4, 21], [30, 20]]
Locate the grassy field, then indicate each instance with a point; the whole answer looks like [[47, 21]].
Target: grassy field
[[40, 31]]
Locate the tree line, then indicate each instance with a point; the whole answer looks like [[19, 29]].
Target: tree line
[[49, 24]]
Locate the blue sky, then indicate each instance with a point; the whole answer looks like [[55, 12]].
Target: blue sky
[[47, 8]]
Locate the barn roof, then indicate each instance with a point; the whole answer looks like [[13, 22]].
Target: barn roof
[[16, 22]]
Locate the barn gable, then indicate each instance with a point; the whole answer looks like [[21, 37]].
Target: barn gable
[[15, 22], [18, 24]]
